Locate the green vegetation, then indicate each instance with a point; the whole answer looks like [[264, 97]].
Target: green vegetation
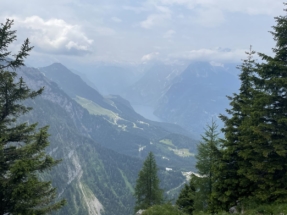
[[253, 161], [167, 142], [96, 109], [147, 190], [248, 172], [164, 209], [128, 184], [186, 198], [181, 152], [208, 154], [22, 148], [263, 209]]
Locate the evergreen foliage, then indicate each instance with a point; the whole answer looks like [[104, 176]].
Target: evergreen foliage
[[147, 190], [165, 209], [206, 159], [22, 148], [186, 198], [253, 163], [230, 186]]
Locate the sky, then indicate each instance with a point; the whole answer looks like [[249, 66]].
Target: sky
[[86, 32]]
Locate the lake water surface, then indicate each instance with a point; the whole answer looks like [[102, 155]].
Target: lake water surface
[[147, 112]]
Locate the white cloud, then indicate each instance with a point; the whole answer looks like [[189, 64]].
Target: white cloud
[[156, 19], [150, 56], [211, 13], [254, 7], [55, 36], [212, 55], [116, 19]]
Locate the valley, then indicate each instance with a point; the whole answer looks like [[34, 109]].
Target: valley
[[102, 142], [165, 107], [103, 139]]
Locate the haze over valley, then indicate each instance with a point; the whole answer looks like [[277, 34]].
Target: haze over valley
[[125, 78]]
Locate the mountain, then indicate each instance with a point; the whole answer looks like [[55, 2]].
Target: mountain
[[84, 78], [93, 178], [197, 95], [72, 84], [112, 79], [154, 83], [117, 126]]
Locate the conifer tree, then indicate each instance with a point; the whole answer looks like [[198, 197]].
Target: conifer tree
[[230, 186], [207, 157], [253, 165], [147, 190], [22, 147], [268, 144], [186, 198]]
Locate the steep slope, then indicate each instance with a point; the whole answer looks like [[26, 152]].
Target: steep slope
[[197, 95], [155, 82], [118, 127], [93, 179], [112, 79], [72, 84]]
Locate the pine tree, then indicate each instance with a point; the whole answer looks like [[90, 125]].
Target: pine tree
[[186, 198], [22, 148], [207, 157], [147, 190]]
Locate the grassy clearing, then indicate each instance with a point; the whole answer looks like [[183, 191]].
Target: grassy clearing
[[167, 142], [95, 109], [181, 152], [128, 184]]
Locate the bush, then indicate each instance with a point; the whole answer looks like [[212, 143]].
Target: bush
[[165, 209]]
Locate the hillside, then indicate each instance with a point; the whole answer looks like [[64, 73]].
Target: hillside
[[117, 126], [91, 177]]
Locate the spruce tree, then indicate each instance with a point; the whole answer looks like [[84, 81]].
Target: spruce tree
[[253, 165], [186, 198], [22, 147], [147, 190], [269, 122], [207, 157], [230, 183]]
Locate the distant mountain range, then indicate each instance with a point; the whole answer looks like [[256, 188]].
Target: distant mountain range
[[189, 96], [102, 142], [153, 85], [113, 79], [197, 95]]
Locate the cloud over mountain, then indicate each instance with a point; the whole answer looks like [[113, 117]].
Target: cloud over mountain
[[55, 36]]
